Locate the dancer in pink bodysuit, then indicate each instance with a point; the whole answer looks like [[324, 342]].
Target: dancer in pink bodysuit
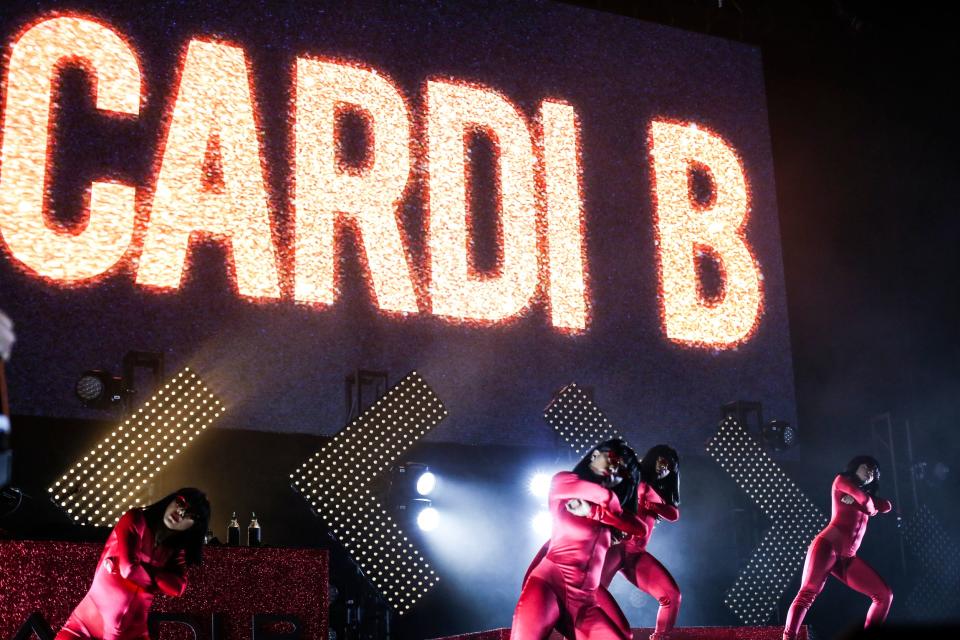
[[561, 589], [658, 495], [147, 553], [834, 550]]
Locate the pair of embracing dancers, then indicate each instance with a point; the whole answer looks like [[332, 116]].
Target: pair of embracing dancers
[[604, 512]]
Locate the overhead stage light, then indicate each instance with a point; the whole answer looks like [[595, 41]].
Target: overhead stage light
[[412, 479], [415, 483], [778, 435], [99, 389]]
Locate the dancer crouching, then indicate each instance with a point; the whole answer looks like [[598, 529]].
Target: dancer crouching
[[658, 495], [147, 553], [834, 550]]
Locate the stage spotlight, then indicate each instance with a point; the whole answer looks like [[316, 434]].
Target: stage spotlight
[[99, 389], [542, 524], [425, 483], [428, 519], [778, 435], [539, 484], [415, 476], [421, 510]]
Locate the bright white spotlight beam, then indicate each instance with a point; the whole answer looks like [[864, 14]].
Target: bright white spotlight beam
[[539, 484], [428, 519], [426, 483], [542, 524]]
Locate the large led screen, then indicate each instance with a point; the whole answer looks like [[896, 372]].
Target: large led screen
[[503, 196]]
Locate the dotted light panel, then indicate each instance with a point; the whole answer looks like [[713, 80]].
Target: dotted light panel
[[796, 520], [937, 594], [110, 478], [575, 417], [335, 482]]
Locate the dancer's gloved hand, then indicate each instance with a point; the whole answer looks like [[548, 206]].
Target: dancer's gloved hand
[[578, 507], [661, 509], [870, 509]]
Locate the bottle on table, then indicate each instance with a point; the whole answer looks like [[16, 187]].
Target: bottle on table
[[253, 532], [233, 531]]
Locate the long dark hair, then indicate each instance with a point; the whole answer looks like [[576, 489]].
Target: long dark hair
[[668, 488], [191, 540], [851, 472], [626, 489]]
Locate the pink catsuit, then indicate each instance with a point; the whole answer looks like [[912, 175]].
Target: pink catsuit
[[833, 552], [561, 588], [641, 568], [117, 604]]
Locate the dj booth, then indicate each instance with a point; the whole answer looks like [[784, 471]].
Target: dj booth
[[238, 593]]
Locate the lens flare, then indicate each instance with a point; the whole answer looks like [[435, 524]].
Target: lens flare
[[542, 524], [539, 484], [426, 483], [428, 519]]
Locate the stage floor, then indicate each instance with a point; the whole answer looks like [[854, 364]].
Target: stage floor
[[680, 633]]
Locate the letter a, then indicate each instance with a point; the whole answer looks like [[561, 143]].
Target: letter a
[[213, 101]]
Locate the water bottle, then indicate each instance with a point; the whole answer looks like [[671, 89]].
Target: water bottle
[[253, 532], [233, 531]]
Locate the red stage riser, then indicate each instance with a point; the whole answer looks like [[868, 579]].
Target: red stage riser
[[52, 577], [683, 633]]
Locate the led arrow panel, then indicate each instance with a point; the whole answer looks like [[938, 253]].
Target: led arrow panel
[[336, 479], [110, 478]]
